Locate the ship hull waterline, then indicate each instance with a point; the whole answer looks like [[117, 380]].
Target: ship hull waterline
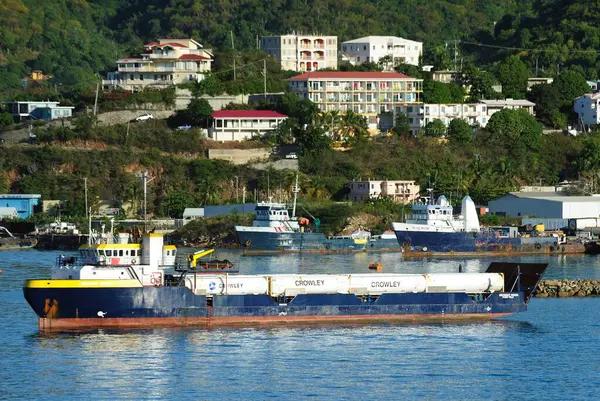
[[260, 242], [441, 244], [49, 324], [72, 308]]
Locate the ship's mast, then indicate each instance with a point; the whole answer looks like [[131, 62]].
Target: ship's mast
[[295, 190]]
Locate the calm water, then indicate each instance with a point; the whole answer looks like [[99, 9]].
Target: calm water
[[550, 351]]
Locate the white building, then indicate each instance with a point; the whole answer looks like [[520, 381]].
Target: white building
[[370, 94], [473, 113], [494, 106], [476, 114], [38, 110], [586, 107], [399, 191], [165, 63], [579, 212], [373, 48], [238, 125], [302, 52]]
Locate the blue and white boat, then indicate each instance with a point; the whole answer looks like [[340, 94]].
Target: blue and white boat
[[274, 230], [433, 228]]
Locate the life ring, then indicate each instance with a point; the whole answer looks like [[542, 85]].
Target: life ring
[[538, 246], [327, 246], [247, 243], [133, 261]]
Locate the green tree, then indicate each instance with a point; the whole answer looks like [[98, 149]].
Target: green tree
[[198, 112], [548, 101], [6, 119], [481, 83], [459, 131], [516, 128], [513, 75], [436, 92], [175, 202], [401, 126], [408, 69], [435, 129]]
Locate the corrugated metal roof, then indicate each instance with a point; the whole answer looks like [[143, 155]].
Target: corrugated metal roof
[[555, 196]]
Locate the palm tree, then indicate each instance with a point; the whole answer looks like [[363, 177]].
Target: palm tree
[[353, 127]]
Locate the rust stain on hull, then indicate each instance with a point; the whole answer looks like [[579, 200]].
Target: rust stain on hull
[[49, 324]]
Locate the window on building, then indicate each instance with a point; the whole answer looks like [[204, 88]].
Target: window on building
[[358, 58]]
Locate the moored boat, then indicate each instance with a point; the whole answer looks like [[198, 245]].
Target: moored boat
[[147, 295], [433, 230], [10, 242]]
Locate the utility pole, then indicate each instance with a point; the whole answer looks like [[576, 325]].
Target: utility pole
[[233, 47], [295, 190], [236, 189], [145, 179], [265, 76], [86, 198], [455, 53], [96, 99]]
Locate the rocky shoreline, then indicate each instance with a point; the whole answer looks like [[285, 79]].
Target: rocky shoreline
[[568, 288]]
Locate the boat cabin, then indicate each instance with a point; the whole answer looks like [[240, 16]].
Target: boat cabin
[[122, 254], [271, 214]]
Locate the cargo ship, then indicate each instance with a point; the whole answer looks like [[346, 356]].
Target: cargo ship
[[434, 230], [147, 296], [275, 231]]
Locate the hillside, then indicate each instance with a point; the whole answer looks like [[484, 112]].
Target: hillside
[[74, 40]]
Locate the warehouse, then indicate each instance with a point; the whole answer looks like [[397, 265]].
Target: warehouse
[[580, 211]]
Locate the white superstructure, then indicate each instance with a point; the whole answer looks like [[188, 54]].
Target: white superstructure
[[439, 217]]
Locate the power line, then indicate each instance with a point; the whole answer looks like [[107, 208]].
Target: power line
[[237, 67], [525, 49]]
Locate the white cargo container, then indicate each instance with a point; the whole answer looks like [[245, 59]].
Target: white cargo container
[[376, 284], [292, 285], [224, 284], [465, 282]]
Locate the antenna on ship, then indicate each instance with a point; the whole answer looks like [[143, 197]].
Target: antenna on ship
[[295, 190]]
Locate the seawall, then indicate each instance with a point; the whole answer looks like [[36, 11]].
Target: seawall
[[568, 288]]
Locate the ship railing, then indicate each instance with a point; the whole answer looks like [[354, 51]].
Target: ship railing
[[68, 261]]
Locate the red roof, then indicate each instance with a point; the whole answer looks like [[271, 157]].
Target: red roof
[[192, 57], [349, 75], [247, 114]]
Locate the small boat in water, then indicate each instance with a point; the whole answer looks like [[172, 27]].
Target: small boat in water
[[148, 295]]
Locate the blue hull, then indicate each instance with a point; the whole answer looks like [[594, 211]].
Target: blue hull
[[471, 242], [309, 242], [64, 308]]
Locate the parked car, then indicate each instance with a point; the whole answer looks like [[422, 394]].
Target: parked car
[[292, 155], [145, 117], [184, 127]]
